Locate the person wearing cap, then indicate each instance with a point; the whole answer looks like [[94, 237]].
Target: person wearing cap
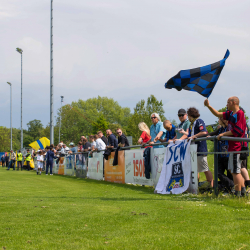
[[12, 160], [182, 129], [72, 148]]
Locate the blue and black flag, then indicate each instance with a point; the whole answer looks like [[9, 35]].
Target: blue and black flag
[[201, 80]]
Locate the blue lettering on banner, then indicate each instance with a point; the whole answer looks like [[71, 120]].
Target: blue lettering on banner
[[183, 149]]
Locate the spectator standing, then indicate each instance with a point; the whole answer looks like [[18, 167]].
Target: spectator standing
[[122, 139], [183, 126], [28, 159], [39, 162], [105, 140], [12, 159], [3, 160], [157, 131], [7, 158], [86, 145], [64, 149], [92, 142], [100, 144], [170, 134], [20, 160], [145, 136], [237, 122], [79, 147], [50, 157], [226, 180], [73, 149], [198, 129], [112, 141]]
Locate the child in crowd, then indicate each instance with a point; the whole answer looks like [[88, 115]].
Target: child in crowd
[[39, 162]]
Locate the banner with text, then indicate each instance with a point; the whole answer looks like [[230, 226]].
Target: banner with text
[[134, 168], [176, 170], [95, 167], [115, 173]]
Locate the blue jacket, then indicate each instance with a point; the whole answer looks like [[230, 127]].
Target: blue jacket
[[50, 156], [112, 141]]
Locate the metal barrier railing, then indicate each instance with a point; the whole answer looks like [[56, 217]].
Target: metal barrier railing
[[215, 153]]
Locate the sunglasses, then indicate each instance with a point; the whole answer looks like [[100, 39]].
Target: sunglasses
[[119, 132], [180, 115], [153, 117]]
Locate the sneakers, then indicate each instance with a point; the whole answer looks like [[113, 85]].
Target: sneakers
[[51, 174], [46, 174]]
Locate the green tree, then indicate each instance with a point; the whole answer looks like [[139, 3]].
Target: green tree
[[35, 129], [142, 113], [81, 118], [100, 124]]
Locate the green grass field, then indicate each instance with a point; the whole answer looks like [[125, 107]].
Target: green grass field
[[60, 212]]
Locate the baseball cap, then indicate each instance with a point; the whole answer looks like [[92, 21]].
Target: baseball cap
[[182, 112], [72, 144]]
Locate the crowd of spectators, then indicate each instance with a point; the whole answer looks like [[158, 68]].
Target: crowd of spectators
[[191, 126]]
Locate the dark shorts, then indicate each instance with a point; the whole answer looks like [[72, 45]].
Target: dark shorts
[[244, 164], [234, 163]]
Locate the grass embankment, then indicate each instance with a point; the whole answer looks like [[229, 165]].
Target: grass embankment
[[60, 212]]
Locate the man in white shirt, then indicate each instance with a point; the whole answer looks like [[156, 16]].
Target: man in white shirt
[[100, 145]]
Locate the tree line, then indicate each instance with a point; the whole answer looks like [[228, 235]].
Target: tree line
[[86, 118]]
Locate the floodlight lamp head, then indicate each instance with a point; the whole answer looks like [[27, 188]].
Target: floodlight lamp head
[[9, 83], [19, 50], [62, 98]]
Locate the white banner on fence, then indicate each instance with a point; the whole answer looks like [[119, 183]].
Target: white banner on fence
[[134, 168], [157, 158], [69, 165], [95, 167], [176, 170], [193, 185]]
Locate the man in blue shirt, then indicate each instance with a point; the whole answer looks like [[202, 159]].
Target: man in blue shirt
[[157, 131], [170, 134], [198, 129], [112, 141]]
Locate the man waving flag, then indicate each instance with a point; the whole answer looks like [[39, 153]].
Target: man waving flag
[[201, 80]]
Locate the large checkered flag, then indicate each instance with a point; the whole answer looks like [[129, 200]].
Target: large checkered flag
[[201, 80]]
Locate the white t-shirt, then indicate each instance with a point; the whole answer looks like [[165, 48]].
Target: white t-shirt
[[100, 145], [93, 144]]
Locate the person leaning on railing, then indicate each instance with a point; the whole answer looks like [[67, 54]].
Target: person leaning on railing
[[157, 131], [170, 134], [100, 144], [198, 129], [145, 136], [226, 180], [122, 139], [112, 141], [237, 122]]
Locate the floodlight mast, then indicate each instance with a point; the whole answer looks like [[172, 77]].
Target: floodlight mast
[[51, 76], [10, 115], [19, 50], [60, 117]]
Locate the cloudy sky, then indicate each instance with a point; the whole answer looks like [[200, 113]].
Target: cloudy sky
[[124, 50]]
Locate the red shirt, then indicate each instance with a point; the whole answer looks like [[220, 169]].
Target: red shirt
[[237, 125], [145, 137]]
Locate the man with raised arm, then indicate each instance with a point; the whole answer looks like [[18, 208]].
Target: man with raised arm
[[237, 123]]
